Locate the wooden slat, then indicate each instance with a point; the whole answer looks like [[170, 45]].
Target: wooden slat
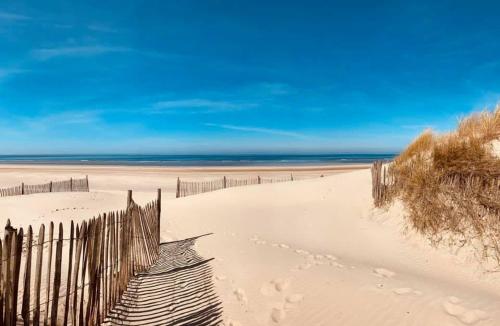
[[92, 271], [101, 278], [10, 249], [79, 245], [86, 238], [68, 281], [48, 275], [106, 268], [1, 283], [25, 311], [16, 274], [57, 278], [38, 275]]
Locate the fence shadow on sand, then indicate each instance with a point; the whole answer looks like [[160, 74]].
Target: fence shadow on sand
[[176, 290]]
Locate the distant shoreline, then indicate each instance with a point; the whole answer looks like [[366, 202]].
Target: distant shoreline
[[196, 161], [183, 169]]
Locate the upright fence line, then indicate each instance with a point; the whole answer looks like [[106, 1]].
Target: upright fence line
[[80, 185], [188, 188], [80, 275]]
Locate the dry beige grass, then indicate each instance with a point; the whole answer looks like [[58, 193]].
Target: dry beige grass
[[450, 184]]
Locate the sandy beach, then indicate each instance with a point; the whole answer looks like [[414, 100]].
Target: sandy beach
[[308, 252]]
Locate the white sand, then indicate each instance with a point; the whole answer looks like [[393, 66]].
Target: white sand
[[311, 252]]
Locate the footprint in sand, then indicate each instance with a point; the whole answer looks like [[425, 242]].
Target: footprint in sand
[[294, 298], [267, 289], [232, 323], [453, 308], [277, 315], [284, 246], [280, 284], [331, 257], [337, 264], [301, 252], [220, 277], [404, 291], [382, 272], [241, 295]]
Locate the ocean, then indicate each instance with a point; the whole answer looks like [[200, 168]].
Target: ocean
[[196, 160]]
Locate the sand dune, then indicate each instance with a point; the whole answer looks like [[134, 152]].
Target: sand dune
[[310, 252], [314, 252]]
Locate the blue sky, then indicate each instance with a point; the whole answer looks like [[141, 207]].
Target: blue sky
[[233, 76]]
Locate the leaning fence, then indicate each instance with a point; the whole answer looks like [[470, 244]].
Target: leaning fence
[[87, 274], [381, 183], [53, 186], [189, 188]]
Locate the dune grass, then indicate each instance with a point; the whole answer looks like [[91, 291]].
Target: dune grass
[[450, 184]]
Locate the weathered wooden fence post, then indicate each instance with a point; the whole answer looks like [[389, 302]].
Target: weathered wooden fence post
[[87, 179], [129, 198], [50, 187], [22, 188], [178, 190], [71, 184], [158, 212], [5, 274], [291, 177], [258, 179], [9, 274], [224, 182]]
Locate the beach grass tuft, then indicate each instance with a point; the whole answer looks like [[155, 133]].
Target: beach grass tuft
[[450, 185]]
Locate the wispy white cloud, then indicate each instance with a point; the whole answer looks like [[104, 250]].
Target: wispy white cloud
[[199, 105], [76, 51], [10, 17], [12, 125], [8, 72], [63, 118], [269, 131]]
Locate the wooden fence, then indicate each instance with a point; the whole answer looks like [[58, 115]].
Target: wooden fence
[[187, 188], [87, 274], [381, 183], [53, 186]]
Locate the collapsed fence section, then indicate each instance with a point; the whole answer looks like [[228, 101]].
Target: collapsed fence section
[[189, 188], [85, 277], [381, 183], [76, 185]]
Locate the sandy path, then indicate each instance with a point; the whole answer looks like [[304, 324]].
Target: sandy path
[[314, 252]]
